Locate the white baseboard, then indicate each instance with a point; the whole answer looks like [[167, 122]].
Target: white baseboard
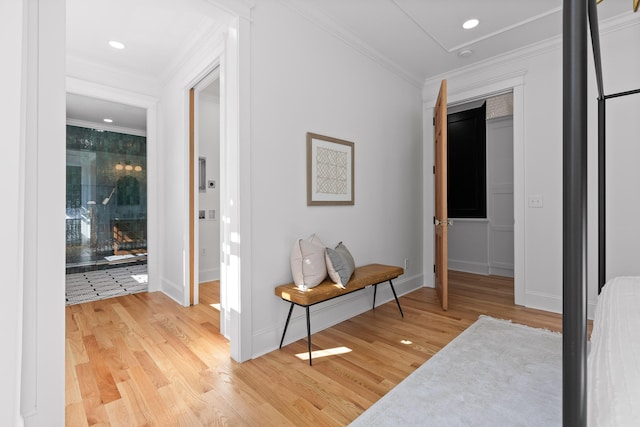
[[500, 271], [170, 289], [327, 314], [209, 275], [469, 267], [552, 303], [542, 301]]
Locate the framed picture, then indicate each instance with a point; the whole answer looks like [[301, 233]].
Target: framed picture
[[329, 171]]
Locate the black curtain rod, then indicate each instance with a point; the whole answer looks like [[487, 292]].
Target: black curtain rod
[[617, 95]]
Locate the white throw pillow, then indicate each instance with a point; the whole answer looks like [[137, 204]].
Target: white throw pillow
[[308, 265]]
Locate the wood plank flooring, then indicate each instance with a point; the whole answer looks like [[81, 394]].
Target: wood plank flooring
[[142, 359]]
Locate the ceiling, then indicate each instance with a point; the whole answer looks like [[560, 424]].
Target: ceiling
[[417, 39], [423, 39], [158, 35], [85, 111]]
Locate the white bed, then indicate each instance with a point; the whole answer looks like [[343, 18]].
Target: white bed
[[613, 364]]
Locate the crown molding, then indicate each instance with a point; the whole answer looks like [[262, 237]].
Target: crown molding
[[330, 26], [474, 86], [505, 29], [82, 69], [520, 54], [617, 23], [109, 93], [203, 41], [608, 26], [240, 8]]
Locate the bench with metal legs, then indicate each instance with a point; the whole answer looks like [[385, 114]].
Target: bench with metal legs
[[286, 295]]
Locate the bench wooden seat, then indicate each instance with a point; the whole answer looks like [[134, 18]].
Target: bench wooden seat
[[368, 275]]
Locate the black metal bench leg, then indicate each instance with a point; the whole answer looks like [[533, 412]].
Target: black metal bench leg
[[375, 289], [286, 325], [396, 297], [309, 334]]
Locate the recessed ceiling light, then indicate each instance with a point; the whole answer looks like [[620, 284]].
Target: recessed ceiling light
[[464, 53], [116, 44], [108, 120], [471, 23]]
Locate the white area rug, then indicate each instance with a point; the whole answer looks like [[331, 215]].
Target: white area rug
[[495, 373], [109, 283]]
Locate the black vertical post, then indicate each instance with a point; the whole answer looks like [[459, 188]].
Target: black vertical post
[[574, 321], [597, 62], [602, 194]]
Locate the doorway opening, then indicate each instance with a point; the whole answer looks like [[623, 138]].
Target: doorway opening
[[106, 199], [483, 243], [205, 229]]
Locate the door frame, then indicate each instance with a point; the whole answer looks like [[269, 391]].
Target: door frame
[[232, 55], [149, 103], [194, 191], [484, 89]]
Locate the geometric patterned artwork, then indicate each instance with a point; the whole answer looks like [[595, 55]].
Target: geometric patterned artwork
[[331, 171]]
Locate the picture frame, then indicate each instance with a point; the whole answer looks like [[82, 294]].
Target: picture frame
[[330, 171]]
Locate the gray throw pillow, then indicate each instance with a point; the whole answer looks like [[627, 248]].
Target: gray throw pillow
[[340, 264]]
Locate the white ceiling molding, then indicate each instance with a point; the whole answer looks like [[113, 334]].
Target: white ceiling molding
[[505, 29], [241, 8], [471, 42], [618, 23], [419, 25], [108, 93], [432, 84], [81, 69], [210, 39], [467, 76], [479, 86], [330, 26]]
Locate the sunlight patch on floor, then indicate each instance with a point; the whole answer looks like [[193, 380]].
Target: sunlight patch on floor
[[323, 353]]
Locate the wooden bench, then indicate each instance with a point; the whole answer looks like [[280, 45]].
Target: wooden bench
[[368, 275]]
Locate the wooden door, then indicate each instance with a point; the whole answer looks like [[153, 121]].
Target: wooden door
[[440, 172]]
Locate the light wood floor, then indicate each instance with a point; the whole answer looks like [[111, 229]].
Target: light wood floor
[[144, 360]]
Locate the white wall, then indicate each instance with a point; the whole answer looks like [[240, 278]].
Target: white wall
[[468, 243], [306, 80], [33, 90], [485, 245], [12, 77], [173, 162], [623, 152], [541, 118], [500, 196], [209, 200]]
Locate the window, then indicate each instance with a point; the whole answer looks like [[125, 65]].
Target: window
[[106, 188]]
